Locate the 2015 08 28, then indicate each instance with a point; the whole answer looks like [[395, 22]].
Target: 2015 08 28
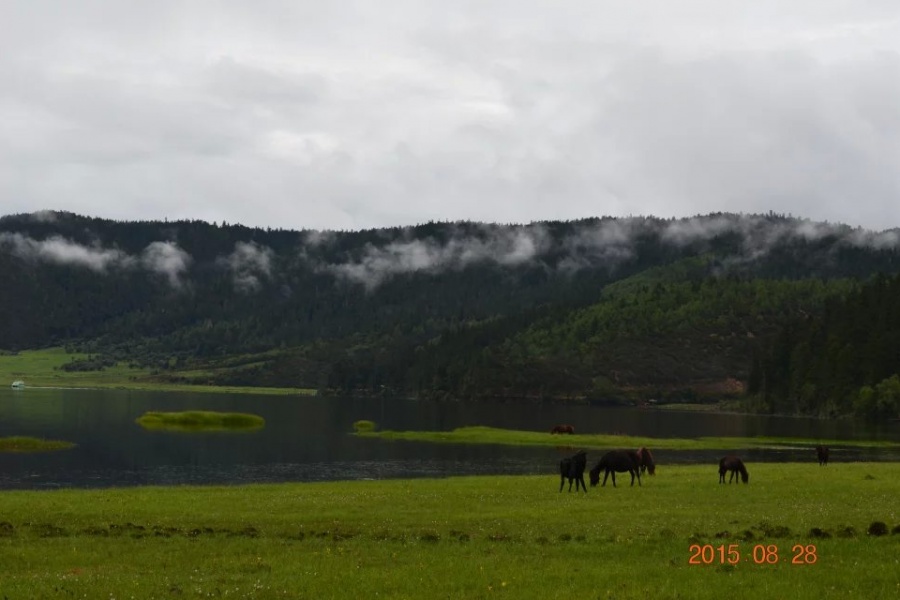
[[760, 554]]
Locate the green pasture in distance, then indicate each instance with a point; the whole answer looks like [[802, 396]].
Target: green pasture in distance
[[199, 420], [467, 537], [24, 444], [43, 368], [494, 435]]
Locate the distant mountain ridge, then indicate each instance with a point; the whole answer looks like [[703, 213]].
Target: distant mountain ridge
[[589, 308]]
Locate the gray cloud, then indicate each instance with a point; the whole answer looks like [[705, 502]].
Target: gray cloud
[[44, 216], [248, 263], [608, 243], [503, 246], [165, 258], [307, 116], [61, 251], [315, 238]]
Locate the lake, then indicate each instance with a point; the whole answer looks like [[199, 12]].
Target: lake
[[308, 438]]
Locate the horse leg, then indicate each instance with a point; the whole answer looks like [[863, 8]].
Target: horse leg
[[639, 479], [614, 478], [581, 479], [733, 475], [631, 472], [605, 475], [562, 481]]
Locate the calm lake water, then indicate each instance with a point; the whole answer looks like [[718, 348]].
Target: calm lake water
[[307, 438]]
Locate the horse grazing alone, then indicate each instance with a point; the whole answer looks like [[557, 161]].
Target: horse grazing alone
[[617, 461], [572, 468], [822, 453], [735, 465], [570, 429], [646, 461]]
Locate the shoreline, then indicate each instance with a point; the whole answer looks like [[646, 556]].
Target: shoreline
[[512, 437]]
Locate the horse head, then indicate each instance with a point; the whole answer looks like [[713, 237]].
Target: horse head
[[595, 475]]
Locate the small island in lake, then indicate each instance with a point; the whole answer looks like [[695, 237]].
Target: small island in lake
[[200, 420], [20, 443]]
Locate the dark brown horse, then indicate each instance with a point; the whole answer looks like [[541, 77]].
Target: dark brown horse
[[646, 461], [617, 461], [570, 429], [572, 468], [735, 465], [822, 453]]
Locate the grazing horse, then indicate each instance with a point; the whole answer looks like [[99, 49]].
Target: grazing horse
[[646, 461], [570, 429], [822, 453], [735, 465], [573, 469], [614, 461]]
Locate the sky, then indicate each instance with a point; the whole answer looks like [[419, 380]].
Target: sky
[[349, 115]]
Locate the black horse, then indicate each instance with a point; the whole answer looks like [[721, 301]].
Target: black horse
[[617, 461], [646, 460], [735, 465], [822, 453], [572, 468]]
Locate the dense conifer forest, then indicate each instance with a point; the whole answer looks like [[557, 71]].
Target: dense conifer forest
[[798, 316]]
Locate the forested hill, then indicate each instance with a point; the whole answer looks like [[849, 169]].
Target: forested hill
[[596, 307], [846, 360]]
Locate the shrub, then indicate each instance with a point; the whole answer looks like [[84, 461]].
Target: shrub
[[364, 425]]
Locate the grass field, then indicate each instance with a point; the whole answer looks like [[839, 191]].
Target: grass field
[[41, 368], [512, 437], [471, 537]]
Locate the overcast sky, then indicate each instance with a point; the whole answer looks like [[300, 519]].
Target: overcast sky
[[302, 114]]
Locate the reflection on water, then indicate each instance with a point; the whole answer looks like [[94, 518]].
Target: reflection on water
[[306, 439]]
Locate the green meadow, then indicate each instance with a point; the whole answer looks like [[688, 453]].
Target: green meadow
[[494, 435], [43, 368], [465, 537]]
